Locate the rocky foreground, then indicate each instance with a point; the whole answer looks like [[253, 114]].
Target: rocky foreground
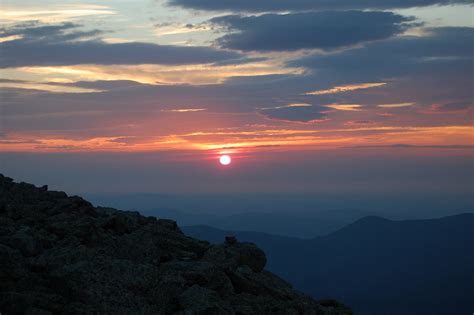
[[59, 254]]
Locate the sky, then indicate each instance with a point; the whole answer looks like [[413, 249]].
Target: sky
[[304, 95]]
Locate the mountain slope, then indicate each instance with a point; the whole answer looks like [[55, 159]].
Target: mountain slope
[[59, 254], [379, 266]]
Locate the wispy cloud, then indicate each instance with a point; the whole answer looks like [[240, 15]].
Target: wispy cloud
[[454, 137], [348, 107], [166, 29], [397, 105], [346, 88], [287, 106], [10, 38], [184, 110], [412, 146], [52, 88], [298, 105], [200, 74], [53, 15]]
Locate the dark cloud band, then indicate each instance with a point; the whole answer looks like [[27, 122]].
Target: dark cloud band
[[299, 5], [40, 45], [310, 30], [441, 48]]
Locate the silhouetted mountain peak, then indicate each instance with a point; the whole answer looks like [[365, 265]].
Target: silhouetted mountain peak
[[377, 227]]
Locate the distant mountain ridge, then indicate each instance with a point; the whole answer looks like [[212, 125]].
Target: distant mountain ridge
[[300, 224], [294, 214], [378, 266]]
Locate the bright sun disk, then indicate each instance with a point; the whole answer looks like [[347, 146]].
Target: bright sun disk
[[225, 160]]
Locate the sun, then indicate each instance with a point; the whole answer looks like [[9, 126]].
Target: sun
[[225, 160]]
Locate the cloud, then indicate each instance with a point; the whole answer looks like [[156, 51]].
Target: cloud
[[359, 122], [184, 110], [9, 38], [310, 30], [64, 44], [302, 114], [455, 106], [445, 71], [346, 88], [346, 107], [402, 55], [397, 105], [303, 5], [165, 29], [47, 87], [57, 14], [197, 74], [48, 33], [289, 105], [412, 146], [435, 68]]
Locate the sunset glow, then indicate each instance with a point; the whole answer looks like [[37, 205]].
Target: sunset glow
[[216, 81]]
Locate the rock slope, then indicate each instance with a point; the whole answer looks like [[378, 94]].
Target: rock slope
[[59, 254]]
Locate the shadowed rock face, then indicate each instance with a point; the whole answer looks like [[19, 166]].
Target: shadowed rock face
[[59, 254]]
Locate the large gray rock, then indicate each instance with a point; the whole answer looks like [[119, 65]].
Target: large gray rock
[[59, 254]]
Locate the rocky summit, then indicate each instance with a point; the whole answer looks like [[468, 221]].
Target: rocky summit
[[62, 255]]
